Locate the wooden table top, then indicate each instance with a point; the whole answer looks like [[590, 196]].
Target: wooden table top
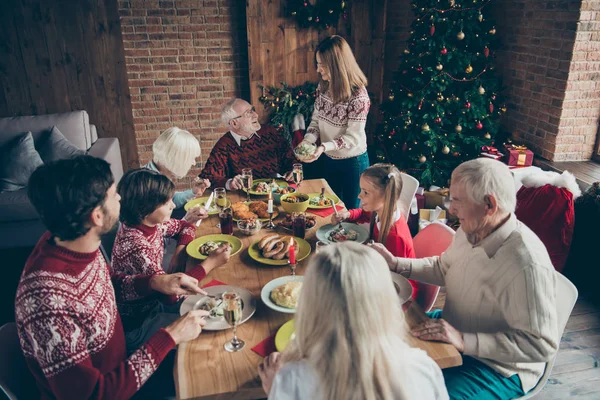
[[205, 370]]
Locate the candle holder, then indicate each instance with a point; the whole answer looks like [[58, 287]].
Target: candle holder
[[270, 225], [293, 268]]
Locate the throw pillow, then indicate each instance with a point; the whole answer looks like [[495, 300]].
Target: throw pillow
[[18, 160], [53, 146]]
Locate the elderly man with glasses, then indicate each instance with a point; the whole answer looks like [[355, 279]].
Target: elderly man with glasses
[[246, 145]]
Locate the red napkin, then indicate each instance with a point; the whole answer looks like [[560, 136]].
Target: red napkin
[[325, 212], [214, 282], [265, 347]]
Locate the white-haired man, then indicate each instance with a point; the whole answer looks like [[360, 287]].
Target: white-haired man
[[246, 145], [500, 302]]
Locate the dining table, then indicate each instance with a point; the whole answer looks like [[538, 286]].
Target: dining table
[[204, 370]]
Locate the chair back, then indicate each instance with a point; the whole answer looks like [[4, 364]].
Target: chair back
[[433, 240], [16, 381], [566, 296], [409, 188]]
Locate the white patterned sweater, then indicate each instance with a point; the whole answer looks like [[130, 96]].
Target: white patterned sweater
[[69, 328], [341, 126]]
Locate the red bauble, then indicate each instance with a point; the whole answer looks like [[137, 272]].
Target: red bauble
[[305, 4], [420, 104], [432, 30], [467, 105], [438, 120], [455, 154], [486, 52], [317, 19], [491, 108], [444, 51], [420, 69], [404, 146], [479, 125], [393, 132], [404, 71]]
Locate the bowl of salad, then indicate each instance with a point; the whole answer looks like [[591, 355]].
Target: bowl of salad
[[280, 191], [294, 202], [305, 151]]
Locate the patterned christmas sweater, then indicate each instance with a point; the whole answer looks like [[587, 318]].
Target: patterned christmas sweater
[[267, 153], [70, 330], [340, 126], [139, 250], [399, 240]]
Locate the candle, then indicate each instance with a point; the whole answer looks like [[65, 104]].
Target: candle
[[270, 205], [292, 253]]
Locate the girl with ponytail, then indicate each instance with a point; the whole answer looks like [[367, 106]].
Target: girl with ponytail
[[380, 188]]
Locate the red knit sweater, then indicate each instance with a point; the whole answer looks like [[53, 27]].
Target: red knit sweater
[[267, 153], [399, 241], [138, 250], [70, 330]]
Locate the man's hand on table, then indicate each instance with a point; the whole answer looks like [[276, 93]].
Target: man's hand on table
[[236, 183], [440, 330], [188, 327], [289, 176], [268, 369], [217, 258], [178, 284]]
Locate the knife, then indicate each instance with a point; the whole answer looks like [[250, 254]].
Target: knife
[[207, 206]]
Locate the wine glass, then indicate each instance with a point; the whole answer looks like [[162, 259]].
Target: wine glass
[[297, 174], [247, 181], [220, 200], [232, 311]]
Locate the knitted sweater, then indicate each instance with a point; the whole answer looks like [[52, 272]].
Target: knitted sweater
[[341, 126], [399, 241], [500, 294], [70, 330], [266, 153], [138, 250]]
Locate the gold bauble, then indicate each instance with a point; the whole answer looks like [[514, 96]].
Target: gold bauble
[[445, 149], [440, 98], [493, 31], [422, 159], [469, 69], [391, 97], [439, 67], [487, 135], [460, 35], [480, 17], [409, 94], [425, 128], [406, 51], [458, 128], [481, 90]]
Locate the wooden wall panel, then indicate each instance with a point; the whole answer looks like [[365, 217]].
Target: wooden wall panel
[[59, 56], [281, 51]]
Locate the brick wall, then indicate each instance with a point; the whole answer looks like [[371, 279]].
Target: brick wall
[[184, 59]]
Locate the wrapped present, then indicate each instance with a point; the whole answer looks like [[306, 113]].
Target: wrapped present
[[491, 152], [434, 197], [427, 216], [518, 155]]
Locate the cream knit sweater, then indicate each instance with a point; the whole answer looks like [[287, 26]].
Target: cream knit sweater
[[501, 296]]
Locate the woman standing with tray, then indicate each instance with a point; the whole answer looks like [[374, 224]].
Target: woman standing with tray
[[339, 119]]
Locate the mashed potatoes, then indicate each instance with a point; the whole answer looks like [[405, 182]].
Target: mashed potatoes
[[287, 295]]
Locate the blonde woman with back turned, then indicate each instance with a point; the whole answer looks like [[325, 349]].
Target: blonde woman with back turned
[[349, 336], [174, 153]]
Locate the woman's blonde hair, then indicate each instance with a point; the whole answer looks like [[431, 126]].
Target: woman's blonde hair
[[176, 150], [345, 74], [349, 324], [386, 178]]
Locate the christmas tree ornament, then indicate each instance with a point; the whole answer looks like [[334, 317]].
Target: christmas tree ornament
[[432, 30], [445, 149], [493, 31], [487, 135], [444, 51], [439, 67], [503, 109], [491, 108], [425, 128], [493, 97], [420, 69], [438, 120], [420, 104], [440, 98], [460, 35], [410, 95], [467, 105], [486, 52], [406, 51], [479, 125], [393, 132], [422, 159], [469, 69], [456, 154], [481, 90], [480, 17], [391, 97], [458, 128]]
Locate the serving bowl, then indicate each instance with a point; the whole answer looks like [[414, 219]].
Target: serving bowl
[[298, 206]]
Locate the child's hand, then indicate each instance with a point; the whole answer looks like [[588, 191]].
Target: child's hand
[[195, 213], [200, 185], [342, 216], [217, 258]]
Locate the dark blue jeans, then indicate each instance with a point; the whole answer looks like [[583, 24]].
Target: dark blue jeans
[[344, 177]]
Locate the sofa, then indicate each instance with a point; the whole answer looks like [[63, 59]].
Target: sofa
[[20, 225]]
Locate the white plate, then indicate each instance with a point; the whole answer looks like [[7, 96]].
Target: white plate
[[402, 286], [265, 293], [219, 323]]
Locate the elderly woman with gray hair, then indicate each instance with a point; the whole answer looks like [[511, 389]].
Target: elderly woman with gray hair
[[500, 305]]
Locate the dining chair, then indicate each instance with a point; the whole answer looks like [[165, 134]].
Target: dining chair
[[433, 240], [566, 296], [409, 188], [16, 381]]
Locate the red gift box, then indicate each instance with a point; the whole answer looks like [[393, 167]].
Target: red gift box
[[491, 152], [518, 155]]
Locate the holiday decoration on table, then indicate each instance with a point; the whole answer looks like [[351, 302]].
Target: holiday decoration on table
[[321, 14], [285, 102], [445, 101]]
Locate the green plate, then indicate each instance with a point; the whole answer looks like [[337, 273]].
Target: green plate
[[303, 252], [279, 182], [275, 212], [214, 209], [327, 196], [284, 335], [193, 248]]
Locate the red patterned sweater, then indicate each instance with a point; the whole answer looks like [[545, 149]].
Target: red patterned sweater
[[139, 250], [70, 330], [399, 241], [267, 153]]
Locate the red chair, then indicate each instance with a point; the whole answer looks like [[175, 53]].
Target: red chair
[[431, 241]]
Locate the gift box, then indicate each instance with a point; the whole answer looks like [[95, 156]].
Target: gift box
[[518, 155], [427, 216], [491, 152], [435, 198]]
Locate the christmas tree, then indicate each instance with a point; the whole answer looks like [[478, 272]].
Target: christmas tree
[[444, 103]]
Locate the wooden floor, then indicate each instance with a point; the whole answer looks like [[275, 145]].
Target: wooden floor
[[586, 172], [576, 374]]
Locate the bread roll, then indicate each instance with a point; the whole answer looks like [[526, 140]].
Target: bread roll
[[278, 247], [263, 242], [283, 252]]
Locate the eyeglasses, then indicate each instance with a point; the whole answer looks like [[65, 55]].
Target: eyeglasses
[[246, 114]]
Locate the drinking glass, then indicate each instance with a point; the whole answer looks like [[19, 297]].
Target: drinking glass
[[226, 221], [247, 181], [299, 226], [232, 311], [297, 174], [220, 200], [319, 245]]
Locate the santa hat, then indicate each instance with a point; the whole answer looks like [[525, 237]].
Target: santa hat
[[540, 178]]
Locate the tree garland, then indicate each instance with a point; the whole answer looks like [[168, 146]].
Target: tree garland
[[322, 15], [284, 103]]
